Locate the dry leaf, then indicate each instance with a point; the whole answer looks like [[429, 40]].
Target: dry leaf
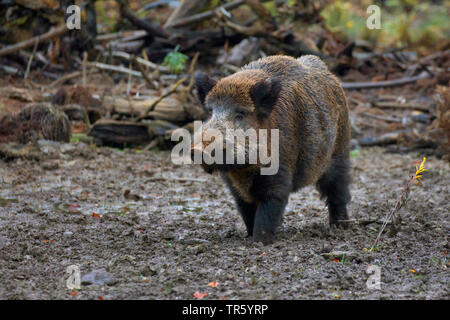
[[95, 215], [199, 295]]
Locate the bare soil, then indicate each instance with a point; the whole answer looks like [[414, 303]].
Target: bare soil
[[163, 231]]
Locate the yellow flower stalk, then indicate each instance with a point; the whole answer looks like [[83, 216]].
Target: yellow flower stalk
[[415, 179]]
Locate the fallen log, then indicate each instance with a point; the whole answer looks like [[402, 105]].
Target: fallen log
[[159, 99], [160, 127], [119, 133], [168, 109]]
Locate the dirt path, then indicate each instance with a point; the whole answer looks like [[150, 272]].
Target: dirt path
[[176, 230]]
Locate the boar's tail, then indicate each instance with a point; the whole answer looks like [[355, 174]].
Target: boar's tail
[[314, 62]]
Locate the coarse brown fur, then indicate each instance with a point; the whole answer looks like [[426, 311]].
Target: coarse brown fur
[[302, 99]]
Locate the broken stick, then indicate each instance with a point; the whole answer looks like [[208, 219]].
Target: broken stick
[[168, 93], [28, 43]]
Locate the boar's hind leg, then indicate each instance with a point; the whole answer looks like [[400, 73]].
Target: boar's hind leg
[[247, 211], [334, 186]]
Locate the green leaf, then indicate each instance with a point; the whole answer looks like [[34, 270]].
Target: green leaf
[[175, 60]]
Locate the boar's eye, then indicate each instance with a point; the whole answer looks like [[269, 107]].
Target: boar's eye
[[238, 117]]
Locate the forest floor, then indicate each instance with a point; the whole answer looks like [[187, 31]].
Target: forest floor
[[155, 230]]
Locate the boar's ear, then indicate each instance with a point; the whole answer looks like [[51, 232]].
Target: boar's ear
[[203, 84], [265, 94]]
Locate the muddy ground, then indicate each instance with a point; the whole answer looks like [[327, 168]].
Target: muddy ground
[[162, 231]]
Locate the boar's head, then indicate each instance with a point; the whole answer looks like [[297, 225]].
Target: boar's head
[[238, 106]]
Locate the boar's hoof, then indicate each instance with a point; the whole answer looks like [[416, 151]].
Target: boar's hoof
[[263, 236], [342, 224]]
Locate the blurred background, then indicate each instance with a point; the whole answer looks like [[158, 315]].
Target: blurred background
[[126, 55]]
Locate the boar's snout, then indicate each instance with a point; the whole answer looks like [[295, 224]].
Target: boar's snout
[[207, 158]]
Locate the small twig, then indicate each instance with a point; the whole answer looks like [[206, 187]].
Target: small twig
[[109, 67], [120, 35], [129, 77], [145, 62], [362, 222], [160, 98], [85, 56], [191, 72], [204, 15], [31, 59], [143, 72], [383, 118], [10, 70], [147, 67]]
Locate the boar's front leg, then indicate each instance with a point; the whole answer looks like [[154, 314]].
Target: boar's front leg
[[268, 217], [247, 211], [273, 194]]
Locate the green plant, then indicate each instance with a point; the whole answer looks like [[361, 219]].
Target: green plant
[[175, 60], [354, 153]]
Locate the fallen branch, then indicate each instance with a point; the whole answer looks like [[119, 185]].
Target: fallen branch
[[146, 63], [396, 105], [10, 70], [109, 67], [380, 84], [120, 35], [384, 139], [186, 8], [67, 77], [31, 59], [204, 15], [192, 71], [383, 118], [254, 31], [261, 11], [143, 72], [152, 31], [56, 32]]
